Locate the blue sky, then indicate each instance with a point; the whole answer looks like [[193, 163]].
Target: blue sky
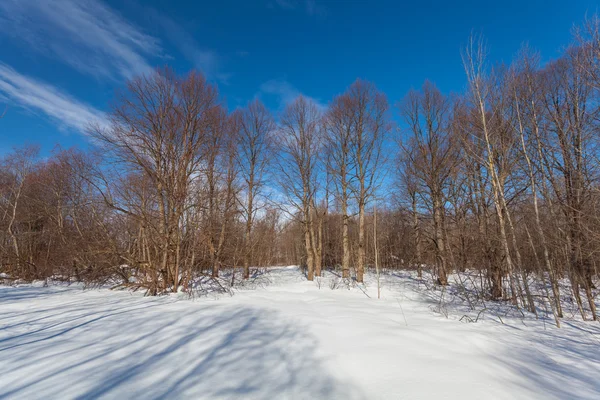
[[62, 60]]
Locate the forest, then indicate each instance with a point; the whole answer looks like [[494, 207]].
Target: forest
[[500, 181]]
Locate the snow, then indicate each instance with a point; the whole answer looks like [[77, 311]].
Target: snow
[[285, 339]]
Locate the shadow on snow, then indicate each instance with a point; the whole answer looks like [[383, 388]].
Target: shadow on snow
[[102, 347]]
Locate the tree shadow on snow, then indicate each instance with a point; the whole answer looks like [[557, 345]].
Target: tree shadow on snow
[[557, 363], [144, 349]]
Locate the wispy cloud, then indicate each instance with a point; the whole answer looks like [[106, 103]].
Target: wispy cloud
[[285, 92], [287, 4], [311, 7], [314, 9], [207, 61], [85, 34], [281, 88], [37, 96]]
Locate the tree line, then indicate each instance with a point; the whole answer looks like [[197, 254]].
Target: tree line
[[501, 179]]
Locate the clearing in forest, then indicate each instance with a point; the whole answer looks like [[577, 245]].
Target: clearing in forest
[[286, 338]]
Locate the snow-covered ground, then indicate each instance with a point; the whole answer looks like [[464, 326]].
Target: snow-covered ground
[[284, 339]]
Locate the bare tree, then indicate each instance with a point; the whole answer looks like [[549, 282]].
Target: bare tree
[[431, 156], [254, 149], [159, 130], [299, 141], [568, 154], [368, 130], [588, 44], [474, 58], [220, 188], [338, 123], [526, 87], [18, 167]]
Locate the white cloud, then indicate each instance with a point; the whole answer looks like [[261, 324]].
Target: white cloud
[[285, 92], [281, 88], [36, 96], [85, 34]]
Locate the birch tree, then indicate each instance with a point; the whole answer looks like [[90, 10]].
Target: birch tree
[[338, 125], [369, 128], [255, 125], [299, 141], [158, 130], [431, 156]]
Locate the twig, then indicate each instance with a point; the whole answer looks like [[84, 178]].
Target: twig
[[401, 309]]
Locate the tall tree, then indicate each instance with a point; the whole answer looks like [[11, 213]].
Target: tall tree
[[300, 144], [220, 188], [159, 129], [369, 128], [338, 124], [255, 124], [18, 168], [431, 156], [568, 153], [481, 97]]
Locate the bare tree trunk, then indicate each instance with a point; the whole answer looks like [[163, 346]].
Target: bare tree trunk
[[440, 248], [9, 229], [319, 246], [248, 237], [309, 249], [417, 233], [376, 250], [360, 270], [345, 242]]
